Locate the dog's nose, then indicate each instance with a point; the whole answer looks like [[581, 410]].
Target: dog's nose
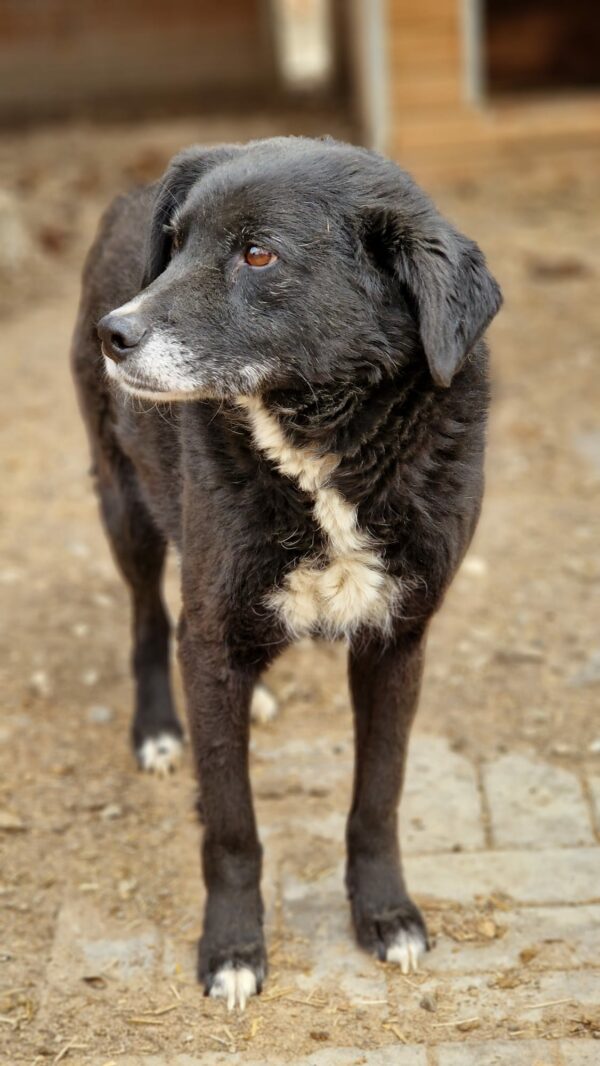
[[120, 334]]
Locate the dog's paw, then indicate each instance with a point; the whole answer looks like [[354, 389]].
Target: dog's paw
[[160, 755], [407, 948], [264, 706], [235, 984], [235, 974], [395, 934]]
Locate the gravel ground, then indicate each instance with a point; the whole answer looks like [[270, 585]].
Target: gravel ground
[[93, 854]]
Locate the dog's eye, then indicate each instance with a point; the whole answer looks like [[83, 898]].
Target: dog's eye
[[255, 256]]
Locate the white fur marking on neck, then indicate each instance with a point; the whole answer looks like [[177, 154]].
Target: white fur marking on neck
[[350, 587]]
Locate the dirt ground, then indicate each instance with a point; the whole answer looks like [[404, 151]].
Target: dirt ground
[[514, 657]]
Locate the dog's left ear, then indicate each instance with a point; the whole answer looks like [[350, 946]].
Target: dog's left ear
[[446, 275], [184, 170]]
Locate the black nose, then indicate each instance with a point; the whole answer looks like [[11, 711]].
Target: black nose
[[120, 334]]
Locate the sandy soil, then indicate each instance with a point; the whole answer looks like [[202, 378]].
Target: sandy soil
[[514, 658]]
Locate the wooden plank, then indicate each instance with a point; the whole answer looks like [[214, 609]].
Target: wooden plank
[[462, 139], [405, 11], [445, 56], [442, 92]]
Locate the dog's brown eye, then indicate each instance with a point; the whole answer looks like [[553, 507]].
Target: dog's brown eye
[[255, 256]]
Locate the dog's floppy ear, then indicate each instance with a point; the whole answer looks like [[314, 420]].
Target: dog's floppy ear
[[445, 273], [171, 191]]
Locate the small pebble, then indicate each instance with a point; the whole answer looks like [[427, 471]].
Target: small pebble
[[487, 928], [589, 673], [428, 1003], [79, 549], [10, 576], [98, 714], [40, 684], [560, 748], [89, 677], [521, 653], [127, 888], [537, 714], [111, 811], [11, 823], [594, 747], [102, 600], [475, 566]]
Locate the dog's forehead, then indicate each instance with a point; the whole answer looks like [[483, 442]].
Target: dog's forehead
[[265, 199], [267, 186]]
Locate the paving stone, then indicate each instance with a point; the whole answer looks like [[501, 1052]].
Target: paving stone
[[307, 766], [86, 943], [533, 803], [343, 968], [440, 808], [387, 1056], [579, 1052], [569, 875], [330, 825], [319, 914], [498, 1053], [594, 783], [484, 995], [552, 938]]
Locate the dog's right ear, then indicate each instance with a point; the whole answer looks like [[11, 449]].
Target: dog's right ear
[[183, 172]]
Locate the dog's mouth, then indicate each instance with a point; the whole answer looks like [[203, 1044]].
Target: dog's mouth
[[149, 392], [138, 385], [167, 386]]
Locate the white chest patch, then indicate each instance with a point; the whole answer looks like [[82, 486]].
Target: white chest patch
[[348, 585]]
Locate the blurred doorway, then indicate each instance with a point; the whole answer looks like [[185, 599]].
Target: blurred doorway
[[540, 46]]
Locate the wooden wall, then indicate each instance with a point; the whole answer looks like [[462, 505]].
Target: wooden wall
[[434, 126], [425, 60], [70, 56]]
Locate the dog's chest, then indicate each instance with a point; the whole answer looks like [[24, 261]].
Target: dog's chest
[[346, 585]]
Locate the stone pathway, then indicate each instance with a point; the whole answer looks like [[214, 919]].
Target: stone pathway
[[100, 896], [503, 857]]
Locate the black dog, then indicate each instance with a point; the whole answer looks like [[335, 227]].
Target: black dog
[[323, 323]]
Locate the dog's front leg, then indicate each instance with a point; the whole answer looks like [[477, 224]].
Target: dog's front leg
[[232, 958], [385, 682]]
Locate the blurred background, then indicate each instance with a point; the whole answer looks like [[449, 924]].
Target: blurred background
[[494, 105], [95, 95]]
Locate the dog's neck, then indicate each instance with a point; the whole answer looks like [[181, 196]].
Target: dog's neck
[[344, 584], [353, 436], [344, 418]]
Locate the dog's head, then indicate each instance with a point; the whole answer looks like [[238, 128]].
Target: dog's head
[[294, 262]]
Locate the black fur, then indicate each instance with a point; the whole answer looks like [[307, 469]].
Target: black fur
[[362, 339]]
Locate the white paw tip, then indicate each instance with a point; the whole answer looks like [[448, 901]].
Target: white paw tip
[[160, 755], [264, 706], [236, 985], [406, 950]]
